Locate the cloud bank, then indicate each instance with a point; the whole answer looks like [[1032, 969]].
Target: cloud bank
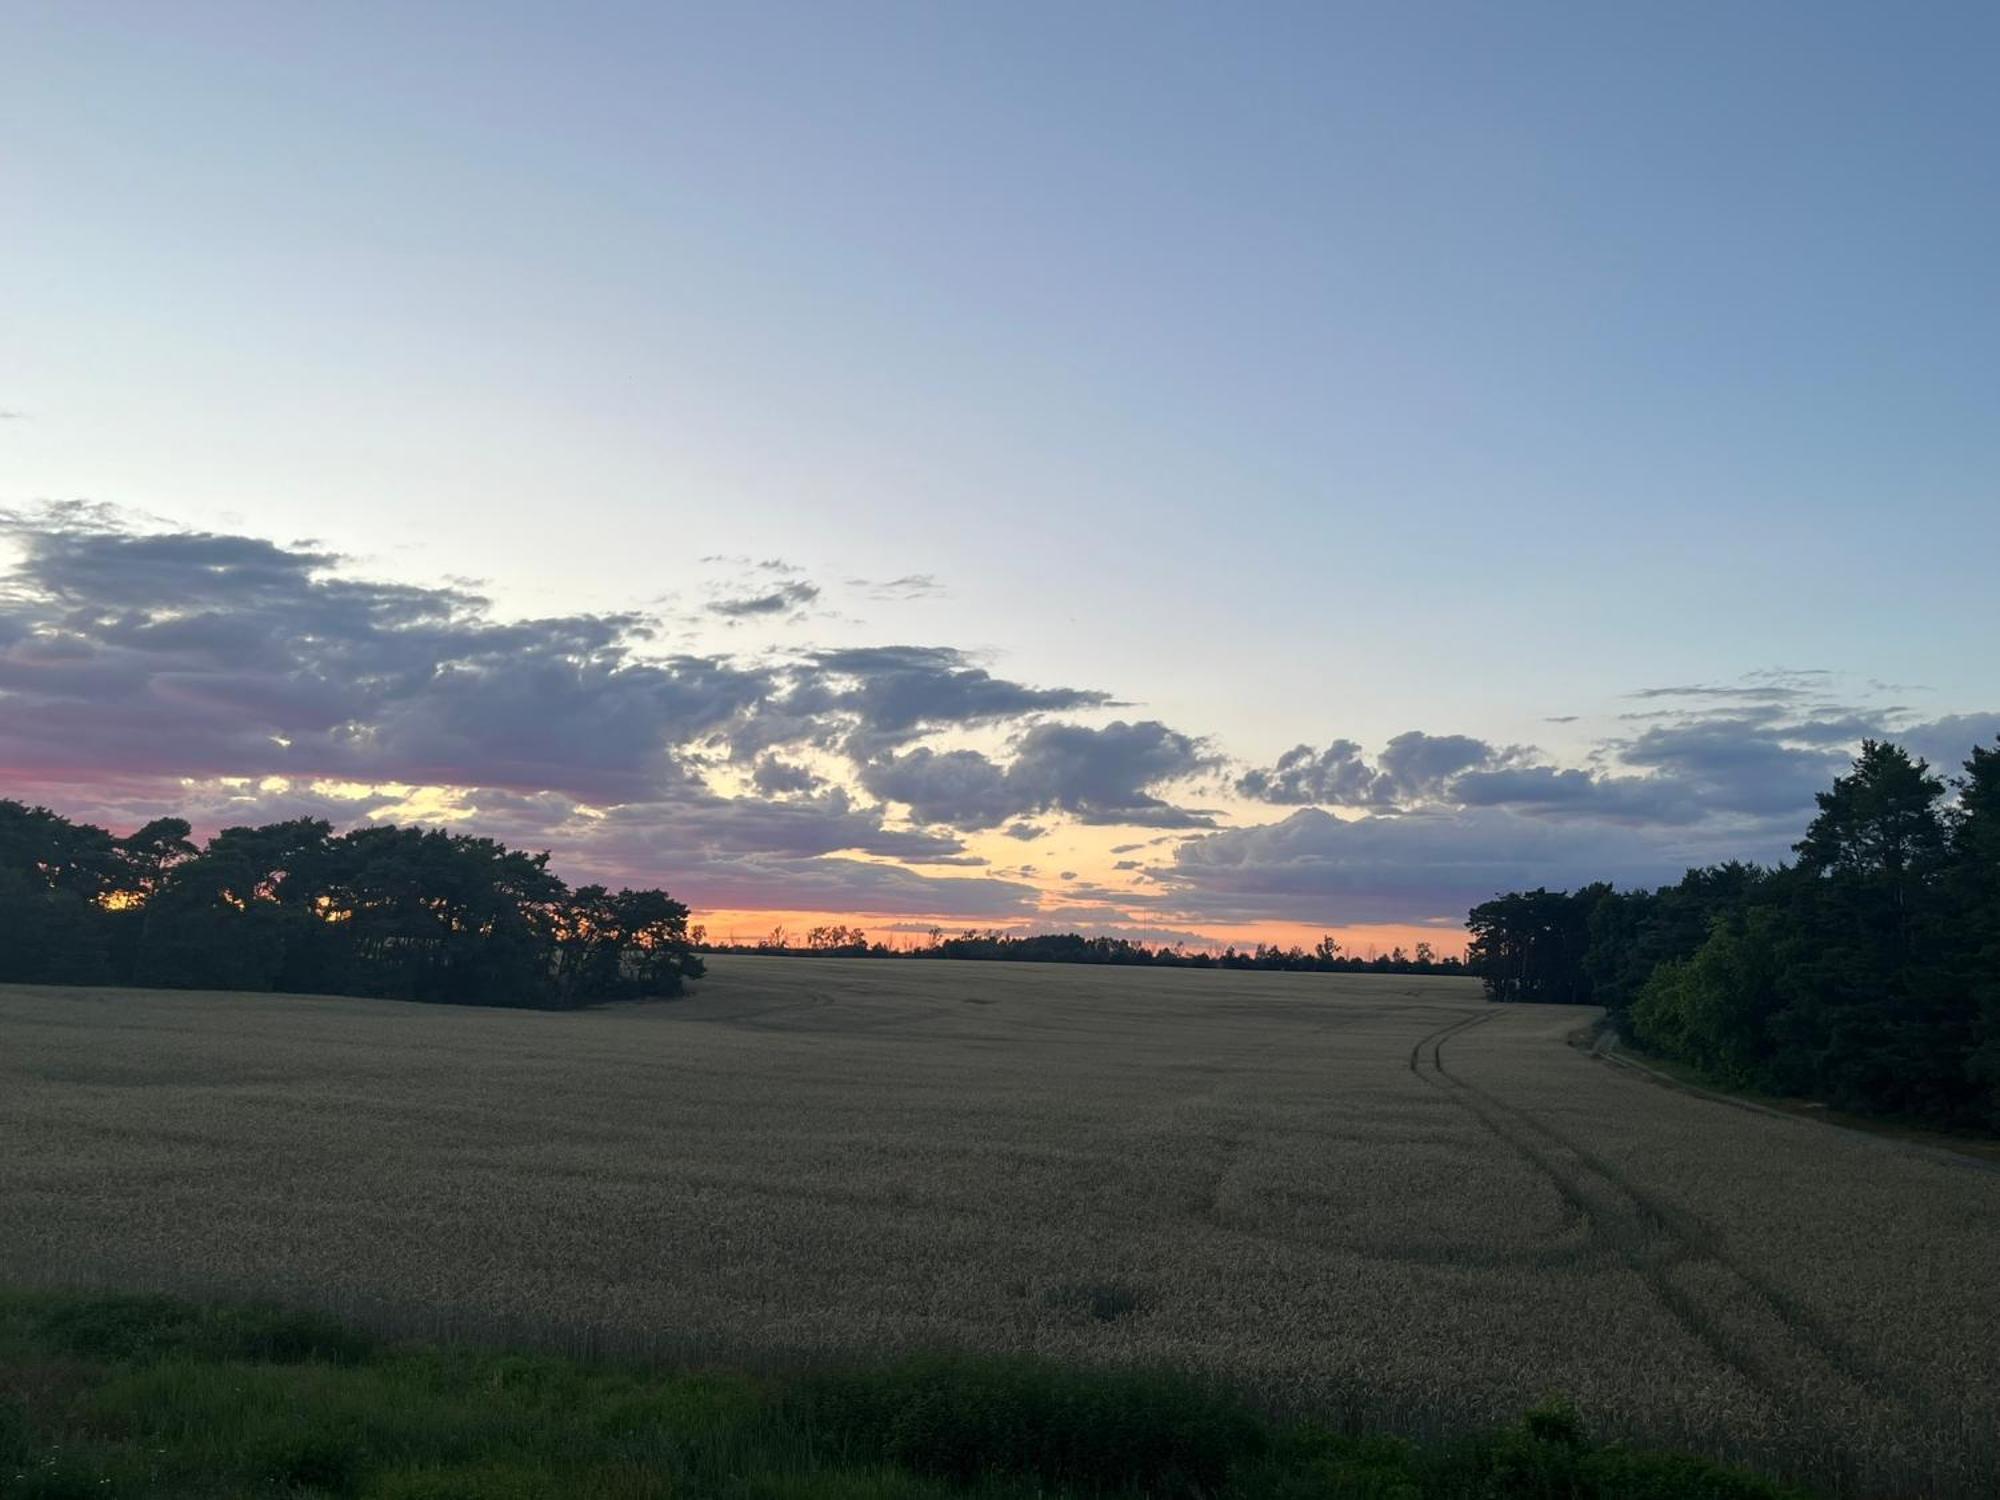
[[241, 678]]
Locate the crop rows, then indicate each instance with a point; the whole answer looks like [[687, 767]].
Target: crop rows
[[1371, 1194]]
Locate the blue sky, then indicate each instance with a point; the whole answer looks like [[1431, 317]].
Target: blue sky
[[1287, 374]]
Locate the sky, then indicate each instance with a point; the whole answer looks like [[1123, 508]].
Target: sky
[[1203, 472]]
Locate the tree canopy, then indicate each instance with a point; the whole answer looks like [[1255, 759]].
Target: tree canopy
[[1866, 974], [408, 913]]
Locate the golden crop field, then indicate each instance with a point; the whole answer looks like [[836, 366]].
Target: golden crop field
[[1367, 1192]]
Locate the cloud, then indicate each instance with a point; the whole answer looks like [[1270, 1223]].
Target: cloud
[[144, 669], [962, 788], [199, 654], [1547, 790], [1737, 764], [1947, 742], [1732, 778], [1095, 775], [1756, 692], [1710, 763], [785, 599], [894, 694], [1107, 775], [1416, 766], [1768, 685], [1314, 867], [898, 590], [232, 676], [202, 654], [1338, 776], [1413, 767], [776, 778], [751, 882], [711, 851]]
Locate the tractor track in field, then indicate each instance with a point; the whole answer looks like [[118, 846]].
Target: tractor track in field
[[1773, 1343]]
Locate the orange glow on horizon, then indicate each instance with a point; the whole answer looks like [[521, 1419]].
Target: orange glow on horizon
[[746, 927]]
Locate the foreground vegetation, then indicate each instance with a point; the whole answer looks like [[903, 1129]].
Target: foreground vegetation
[[1866, 975], [401, 913], [149, 1396]]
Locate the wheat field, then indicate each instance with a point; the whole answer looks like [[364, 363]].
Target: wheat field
[[1371, 1194]]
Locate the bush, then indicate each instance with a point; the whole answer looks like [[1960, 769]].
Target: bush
[[964, 1419], [1547, 1457], [15, 1444], [127, 1328], [184, 1401], [322, 1462]]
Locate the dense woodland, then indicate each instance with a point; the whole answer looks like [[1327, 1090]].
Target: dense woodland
[[993, 945], [407, 913], [1865, 974]]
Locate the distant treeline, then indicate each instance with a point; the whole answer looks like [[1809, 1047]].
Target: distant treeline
[[1073, 948], [408, 913], [1867, 974]]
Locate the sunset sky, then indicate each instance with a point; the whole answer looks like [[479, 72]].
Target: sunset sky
[[1206, 473]]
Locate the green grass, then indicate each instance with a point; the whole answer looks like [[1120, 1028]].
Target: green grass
[[150, 1396]]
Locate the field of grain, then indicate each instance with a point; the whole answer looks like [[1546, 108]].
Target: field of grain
[[1367, 1192]]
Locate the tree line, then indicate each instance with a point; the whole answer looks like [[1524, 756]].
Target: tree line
[[1865, 974], [404, 913], [993, 945]]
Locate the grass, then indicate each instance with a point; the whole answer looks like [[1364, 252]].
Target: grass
[[153, 1396], [1372, 1195]]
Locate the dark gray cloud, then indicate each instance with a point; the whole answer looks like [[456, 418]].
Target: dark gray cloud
[[1768, 685], [1102, 775], [1314, 867], [206, 655], [1731, 763], [752, 882], [1413, 767], [776, 778], [1416, 766], [1338, 776], [1547, 790], [785, 599], [962, 788], [1947, 742], [1771, 692], [1108, 775], [894, 694]]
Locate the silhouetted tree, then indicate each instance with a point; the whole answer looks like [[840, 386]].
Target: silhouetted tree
[[1864, 975], [405, 912]]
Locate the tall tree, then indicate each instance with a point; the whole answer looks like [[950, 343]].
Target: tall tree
[[1975, 845], [1868, 1025]]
